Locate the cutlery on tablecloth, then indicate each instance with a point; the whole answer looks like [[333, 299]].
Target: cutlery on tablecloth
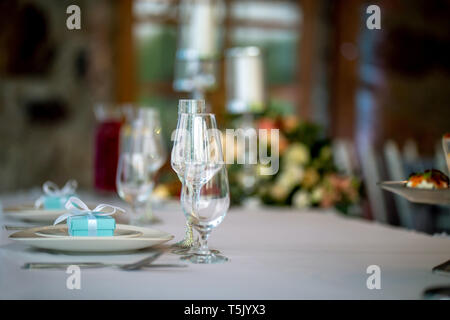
[[437, 293], [146, 262], [443, 268], [39, 265]]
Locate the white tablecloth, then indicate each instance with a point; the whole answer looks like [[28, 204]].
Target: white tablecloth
[[274, 254]]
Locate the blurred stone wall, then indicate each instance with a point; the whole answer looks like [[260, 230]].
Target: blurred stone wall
[[50, 78]]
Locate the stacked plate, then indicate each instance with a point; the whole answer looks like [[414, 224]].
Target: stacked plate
[[125, 238]]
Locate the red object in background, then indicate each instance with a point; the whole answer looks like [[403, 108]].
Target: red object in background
[[106, 154]]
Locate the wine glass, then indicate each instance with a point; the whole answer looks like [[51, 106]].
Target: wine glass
[[205, 211], [134, 184], [197, 143], [153, 149], [185, 106], [146, 120], [197, 153]]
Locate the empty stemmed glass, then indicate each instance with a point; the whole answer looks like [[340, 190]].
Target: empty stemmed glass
[[188, 107], [154, 151], [205, 197], [205, 212], [137, 156]]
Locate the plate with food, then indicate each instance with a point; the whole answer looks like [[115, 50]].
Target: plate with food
[[429, 187]]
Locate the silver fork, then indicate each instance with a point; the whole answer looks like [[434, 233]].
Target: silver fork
[[146, 262]]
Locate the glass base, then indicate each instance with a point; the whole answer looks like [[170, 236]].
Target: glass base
[[180, 251], [183, 247], [189, 251], [205, 259], [149, 220], [144, 220]]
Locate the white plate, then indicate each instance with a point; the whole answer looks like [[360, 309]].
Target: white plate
[[435, 196], [28, 212], [149, 237], [62, 232]]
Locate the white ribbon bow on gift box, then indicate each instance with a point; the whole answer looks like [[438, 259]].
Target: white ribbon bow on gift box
[[51, 189], [76, 207]]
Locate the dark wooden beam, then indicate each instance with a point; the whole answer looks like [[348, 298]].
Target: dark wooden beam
[[344, 77], [307, 53], [125, 54]]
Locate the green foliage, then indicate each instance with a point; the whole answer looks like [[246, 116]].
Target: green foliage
[[156, 55]]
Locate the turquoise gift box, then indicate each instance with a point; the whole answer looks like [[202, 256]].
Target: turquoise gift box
[[55, 202], [87, 226]]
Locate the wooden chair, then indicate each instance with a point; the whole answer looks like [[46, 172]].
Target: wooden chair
[[342, 157], [371, 172], [410, 151]]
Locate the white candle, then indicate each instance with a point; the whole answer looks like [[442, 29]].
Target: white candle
[[199, 27], [245, 80]]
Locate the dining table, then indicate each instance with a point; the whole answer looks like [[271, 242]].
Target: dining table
[[274, 253]]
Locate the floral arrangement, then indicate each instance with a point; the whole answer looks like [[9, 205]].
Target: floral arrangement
[[306, 177]]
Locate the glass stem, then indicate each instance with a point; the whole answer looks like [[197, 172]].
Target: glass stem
[[189, 238], [133, 213], [136, 213], [203, 249], [195, 204], [149, 210], [197, 241], [196, 198]]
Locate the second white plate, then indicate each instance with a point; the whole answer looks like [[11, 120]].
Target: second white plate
[[28, 212]]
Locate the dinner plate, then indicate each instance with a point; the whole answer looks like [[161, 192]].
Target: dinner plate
[[62, 231], [435, 196], [28, 212], [149, 237]]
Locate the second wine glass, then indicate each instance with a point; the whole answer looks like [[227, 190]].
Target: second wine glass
[[205, 211], [137, 161]]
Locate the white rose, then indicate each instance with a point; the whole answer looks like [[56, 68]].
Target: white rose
[[296, 173], [317, 194], [301, 199], [290, 177], [297, 153], [263, 171]]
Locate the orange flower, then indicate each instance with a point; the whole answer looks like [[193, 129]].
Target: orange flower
[[290, 123], [328, 199], [310, 178], [267, 123], [283, 143]]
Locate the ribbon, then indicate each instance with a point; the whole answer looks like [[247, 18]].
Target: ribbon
[[76, 207], [52, 190]]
